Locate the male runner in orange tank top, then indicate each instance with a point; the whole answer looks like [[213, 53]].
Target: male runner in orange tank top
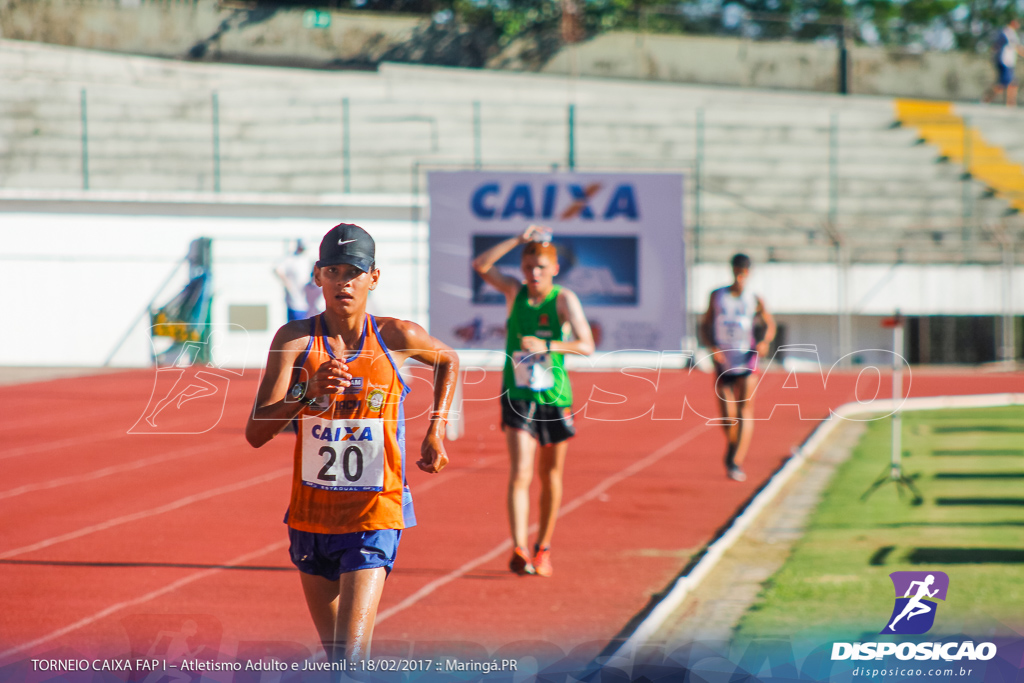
[[337, 374]]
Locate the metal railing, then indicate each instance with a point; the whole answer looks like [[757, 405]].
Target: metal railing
[[817, 185]]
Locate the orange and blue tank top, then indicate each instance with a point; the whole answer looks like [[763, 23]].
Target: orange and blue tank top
[[349, 464]]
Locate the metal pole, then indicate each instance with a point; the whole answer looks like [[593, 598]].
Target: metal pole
[[842, 250], [477, 137], [1009, 350], [843, 276], [895, 474], [897, 395], [843, 67], [833, 171], [216, 142], [690, 339], [698, 165], [420, 313], [346, 146], [85, 143], [968, 196], [572, 137]]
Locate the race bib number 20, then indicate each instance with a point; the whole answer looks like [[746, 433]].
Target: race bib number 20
[[343, 455]]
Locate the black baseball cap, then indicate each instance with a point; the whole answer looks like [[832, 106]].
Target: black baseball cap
[[347, 243]]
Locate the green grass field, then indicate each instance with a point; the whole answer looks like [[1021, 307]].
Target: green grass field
[[969, 467]]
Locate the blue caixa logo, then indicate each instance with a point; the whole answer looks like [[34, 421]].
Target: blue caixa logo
[[555, 201], [916, 596]]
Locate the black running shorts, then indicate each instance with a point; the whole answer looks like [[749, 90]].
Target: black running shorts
[[548, 424]]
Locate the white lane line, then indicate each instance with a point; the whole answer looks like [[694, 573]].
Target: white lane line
[[192, 577], [445, 477], [169, 588], [113, 469], [63, 443], [135, 516], [566, 509]]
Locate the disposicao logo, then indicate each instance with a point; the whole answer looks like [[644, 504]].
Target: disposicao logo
[[913, 614], [916, 595]]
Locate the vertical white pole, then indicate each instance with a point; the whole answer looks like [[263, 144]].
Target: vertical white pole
[[897, 394], [456, 427]]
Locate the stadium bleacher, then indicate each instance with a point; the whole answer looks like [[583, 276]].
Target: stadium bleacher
[[792, 175]]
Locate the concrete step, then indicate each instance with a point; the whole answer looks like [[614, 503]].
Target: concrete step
[[711, 202], [855, 188], [759, 168], [816, 223], [890, 252]]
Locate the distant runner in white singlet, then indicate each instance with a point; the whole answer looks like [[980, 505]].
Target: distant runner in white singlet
[[728, 329]]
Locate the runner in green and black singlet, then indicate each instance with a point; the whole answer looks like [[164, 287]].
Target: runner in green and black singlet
[[536, 401], [536, 377]]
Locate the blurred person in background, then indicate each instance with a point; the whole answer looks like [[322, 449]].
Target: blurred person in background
[[314, 295], [294, 271], [728, 330], [1005, 49]]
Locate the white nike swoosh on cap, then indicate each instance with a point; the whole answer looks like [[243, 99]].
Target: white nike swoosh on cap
[[341, 242]]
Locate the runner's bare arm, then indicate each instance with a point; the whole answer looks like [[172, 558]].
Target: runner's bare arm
[[484, 263], [570, 310], [273, 410], [409, 340], [770, 328]]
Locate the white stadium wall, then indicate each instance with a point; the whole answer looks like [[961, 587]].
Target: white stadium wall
[[872, 289], [79, 274]]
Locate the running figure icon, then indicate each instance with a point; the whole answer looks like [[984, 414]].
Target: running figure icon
[[917, 594], [915, 605]]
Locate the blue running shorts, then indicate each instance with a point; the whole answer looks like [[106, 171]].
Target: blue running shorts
[[331, 555], [1004, 74]]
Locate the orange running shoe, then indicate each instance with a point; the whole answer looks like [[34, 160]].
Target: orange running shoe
[[542, 562], [520, 562]]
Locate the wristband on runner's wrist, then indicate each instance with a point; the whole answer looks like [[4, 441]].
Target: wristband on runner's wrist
[[298, 394]]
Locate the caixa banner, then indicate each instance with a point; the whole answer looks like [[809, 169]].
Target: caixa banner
[[619, 238]]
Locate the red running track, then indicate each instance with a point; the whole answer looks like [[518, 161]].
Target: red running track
[[115, 529]]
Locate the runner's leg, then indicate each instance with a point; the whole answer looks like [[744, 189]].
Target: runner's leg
[[521, 449], [550, 468], [727, 404], [344, 611], [906, 608], [919, 609], [322, 600], [745, 411], [359, 593]]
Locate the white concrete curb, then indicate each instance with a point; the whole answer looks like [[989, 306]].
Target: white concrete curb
[[714, 552]]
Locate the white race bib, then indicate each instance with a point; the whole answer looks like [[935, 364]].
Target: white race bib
[[733, 332], [533, 370], [343, 455]]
